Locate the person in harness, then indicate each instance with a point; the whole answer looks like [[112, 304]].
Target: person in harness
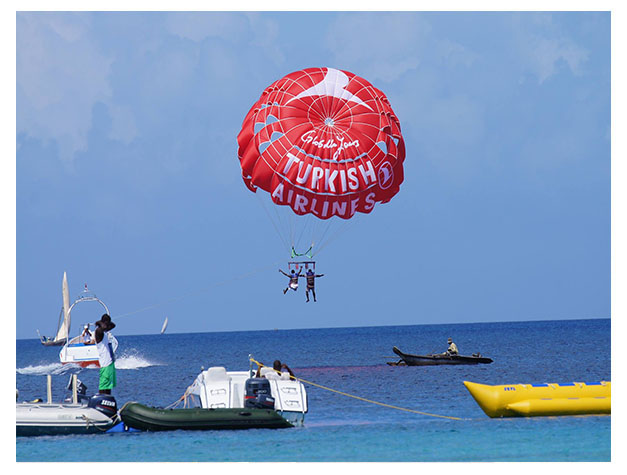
[[311, 283], [106, 359], [293, 283]]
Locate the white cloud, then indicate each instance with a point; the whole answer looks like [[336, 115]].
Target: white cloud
[[454, 53], [235, 28], [60, 76], [123, 127], [265, 36], [542, 46], [378, 46], [197, 26], [69, 62]]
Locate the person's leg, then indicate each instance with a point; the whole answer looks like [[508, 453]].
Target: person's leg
[[107, 380], [314, 294], [307, 295]]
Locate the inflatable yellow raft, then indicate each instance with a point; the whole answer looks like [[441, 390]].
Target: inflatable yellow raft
[[549, 399]]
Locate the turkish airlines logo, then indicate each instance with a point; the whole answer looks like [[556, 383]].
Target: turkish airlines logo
[[386, 175], [334, 85]]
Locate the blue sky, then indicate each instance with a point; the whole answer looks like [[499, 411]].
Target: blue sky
[[127, 174]]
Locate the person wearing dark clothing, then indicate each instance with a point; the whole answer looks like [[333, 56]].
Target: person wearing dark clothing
[[106, 359], [282, 369], [293, 283], [311, 283]]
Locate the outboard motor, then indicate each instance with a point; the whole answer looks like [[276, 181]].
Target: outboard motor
[[258, 394], [104, 403]]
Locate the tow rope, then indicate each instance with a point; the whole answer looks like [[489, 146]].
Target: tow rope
[[364, 399]]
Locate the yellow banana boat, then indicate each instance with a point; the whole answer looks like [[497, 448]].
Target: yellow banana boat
[[548, 399]]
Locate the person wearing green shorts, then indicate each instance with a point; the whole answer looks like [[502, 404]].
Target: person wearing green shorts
[[105, 355], [107, 379]]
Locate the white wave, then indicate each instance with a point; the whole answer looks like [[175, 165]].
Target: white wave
[[128, 360], [51, 368], [132, 360]]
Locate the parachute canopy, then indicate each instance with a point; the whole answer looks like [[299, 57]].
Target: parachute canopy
[[324, 142]]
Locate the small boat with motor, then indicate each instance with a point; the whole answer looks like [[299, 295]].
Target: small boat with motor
[[226, 400], [80, 415], [439, 359], [80, 350], [546, 399]]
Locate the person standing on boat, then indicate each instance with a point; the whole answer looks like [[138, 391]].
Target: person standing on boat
[[293, 283], [452, 348], [86, 336], [105, 354], [311, 283]]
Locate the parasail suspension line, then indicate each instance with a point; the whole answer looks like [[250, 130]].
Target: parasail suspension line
[[341, 230], [272, 221]]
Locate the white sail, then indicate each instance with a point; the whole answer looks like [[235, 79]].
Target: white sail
[[64, 328], [165, 325]]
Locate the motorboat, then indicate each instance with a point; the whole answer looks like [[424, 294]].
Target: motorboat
[[63, 326], [440, 359], [220, 399], [81, 415], [545, 399], [83, 354], [80, 352]]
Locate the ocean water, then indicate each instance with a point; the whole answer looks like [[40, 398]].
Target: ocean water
[[156, 370]]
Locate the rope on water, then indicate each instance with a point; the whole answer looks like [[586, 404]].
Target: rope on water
[[366, 400]]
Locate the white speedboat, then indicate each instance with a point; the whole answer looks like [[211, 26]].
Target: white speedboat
[[83, 354], [78, 352], [220, 399], [90, 415], [218, 388]]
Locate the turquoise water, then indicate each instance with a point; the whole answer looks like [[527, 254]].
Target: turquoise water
[[156, 369]]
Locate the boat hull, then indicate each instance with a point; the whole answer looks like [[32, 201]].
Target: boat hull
[[550, 399], [59, 419], [141, 417], [437, 360], [50, 342], [83, 355]]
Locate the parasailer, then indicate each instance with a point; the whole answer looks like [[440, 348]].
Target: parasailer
[[293, 282], [323, 143], [311, 277]]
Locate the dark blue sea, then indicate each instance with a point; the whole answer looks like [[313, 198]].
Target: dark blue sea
[[156, 370]]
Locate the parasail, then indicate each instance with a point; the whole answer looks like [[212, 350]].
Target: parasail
[[323, 142]]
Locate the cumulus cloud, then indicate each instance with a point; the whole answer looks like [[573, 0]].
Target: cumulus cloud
[[197, 26], [148, 75], [543, 46], [237, 28], [379, 46], [60, 75]]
